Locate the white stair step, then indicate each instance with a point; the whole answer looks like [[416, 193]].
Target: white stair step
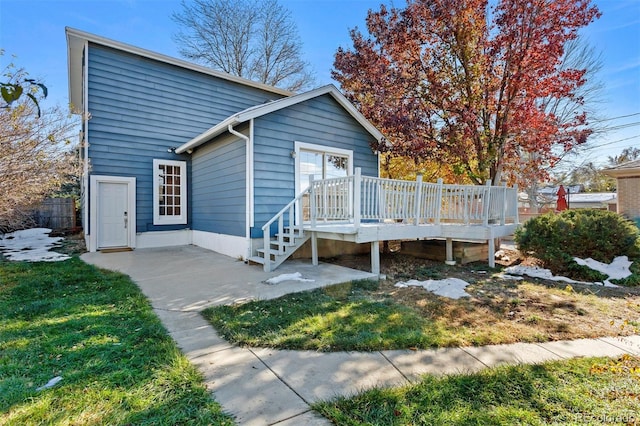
[[256, 259]]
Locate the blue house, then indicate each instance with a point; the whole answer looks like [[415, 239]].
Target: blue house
[[175, 153]]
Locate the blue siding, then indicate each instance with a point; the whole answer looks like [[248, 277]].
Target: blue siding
[[140, 108], [219, 185], [320, 121]]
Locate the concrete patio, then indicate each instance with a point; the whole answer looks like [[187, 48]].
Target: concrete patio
[[268, 387]]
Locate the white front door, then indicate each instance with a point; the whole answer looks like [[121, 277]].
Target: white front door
[[112, 212]]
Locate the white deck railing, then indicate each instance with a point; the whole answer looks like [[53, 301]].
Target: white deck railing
[[359, 198], [356, 198]]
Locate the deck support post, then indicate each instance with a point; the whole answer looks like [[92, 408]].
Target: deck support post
[[492, 253], [449, 247], [314, 248], [375, 257]]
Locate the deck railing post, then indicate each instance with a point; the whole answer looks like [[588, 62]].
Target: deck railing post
[[266, 238], [312, 202], [280, 235], [486, 207], [418, 199], [440, 201], [503, 210], [515, 205], [357, 195]]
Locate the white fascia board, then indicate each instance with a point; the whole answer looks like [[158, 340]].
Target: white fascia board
[[77, 38], [216, 130], [75, 46], [260, 110], [330, 89]]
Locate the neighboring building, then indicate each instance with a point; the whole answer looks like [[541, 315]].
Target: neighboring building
[[592, 200], [628, 187], [176, 153]]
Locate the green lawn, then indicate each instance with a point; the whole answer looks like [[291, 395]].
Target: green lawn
[[575, 392], [98, 332], [366, 316], [342, 317]]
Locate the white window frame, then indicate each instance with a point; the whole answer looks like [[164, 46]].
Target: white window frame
[[180, 219], [304, 146]]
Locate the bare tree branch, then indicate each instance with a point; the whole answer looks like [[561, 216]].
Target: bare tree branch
[[254, 40]]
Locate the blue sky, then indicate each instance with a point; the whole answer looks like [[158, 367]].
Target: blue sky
[[33, 31]]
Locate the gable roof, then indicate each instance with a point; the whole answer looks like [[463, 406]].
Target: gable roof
[[630, 168], [76, 40], [260, 110]]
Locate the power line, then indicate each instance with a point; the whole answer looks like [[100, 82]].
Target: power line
[[618, 127], [616, 118], [611, 142]]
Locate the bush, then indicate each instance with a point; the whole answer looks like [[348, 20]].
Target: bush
[[557, 238]]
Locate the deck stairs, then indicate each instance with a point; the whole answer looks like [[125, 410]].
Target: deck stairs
[[281, 246]]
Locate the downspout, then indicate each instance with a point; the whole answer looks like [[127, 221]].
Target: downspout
[[85, 196], [248, 177]]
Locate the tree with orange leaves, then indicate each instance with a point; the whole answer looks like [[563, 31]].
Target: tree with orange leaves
[[462, 82]]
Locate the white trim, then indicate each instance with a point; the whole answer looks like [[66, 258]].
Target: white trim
[[260, 110], [182, 237], [250, 187], [131, 190], [299, 146], [174, 219], [251, 171], [229, 245], [85, 137]]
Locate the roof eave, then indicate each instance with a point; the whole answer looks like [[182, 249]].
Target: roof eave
[[616, 173], [257, 111], [203, 138], [75, 46]]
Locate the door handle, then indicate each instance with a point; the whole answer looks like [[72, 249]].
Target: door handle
[[126, 220]]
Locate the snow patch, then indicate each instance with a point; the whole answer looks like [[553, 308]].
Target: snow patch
[[31, 245], [616, 270], [296, 276], [452, 288], [537, 272]]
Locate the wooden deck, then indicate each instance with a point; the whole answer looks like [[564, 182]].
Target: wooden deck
[[364, 209]]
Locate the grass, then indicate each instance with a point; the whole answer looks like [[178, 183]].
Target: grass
[[98, 332], [366, 316], [579, 391], [342, 317]]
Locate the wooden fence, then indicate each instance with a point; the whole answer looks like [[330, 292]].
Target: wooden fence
[[56, 213]]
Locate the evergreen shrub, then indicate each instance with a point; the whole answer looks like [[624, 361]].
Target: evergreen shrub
[[556, 238]]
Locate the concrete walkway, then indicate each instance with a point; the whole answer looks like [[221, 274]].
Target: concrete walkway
[[266, 386]]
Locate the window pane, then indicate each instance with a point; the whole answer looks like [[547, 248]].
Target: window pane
[[310, 164], [336, 166]]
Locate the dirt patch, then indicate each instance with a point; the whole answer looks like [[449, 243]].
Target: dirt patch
[[73, 244], [503, 311]]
